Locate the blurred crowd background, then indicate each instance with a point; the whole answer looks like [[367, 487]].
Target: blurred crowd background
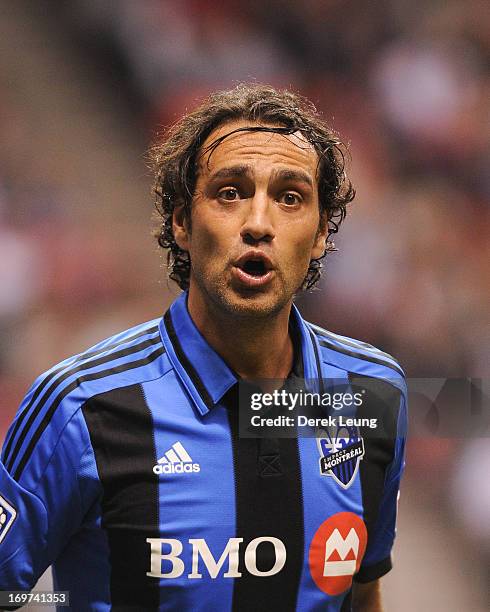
[[86, 85]]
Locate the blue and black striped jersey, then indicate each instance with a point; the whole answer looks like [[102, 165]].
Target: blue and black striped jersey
[[125, 470]]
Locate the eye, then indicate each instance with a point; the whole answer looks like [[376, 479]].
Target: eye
[[229, 194], [290, 198]]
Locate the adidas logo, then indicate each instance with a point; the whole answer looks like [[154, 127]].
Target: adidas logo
[[176, 461]]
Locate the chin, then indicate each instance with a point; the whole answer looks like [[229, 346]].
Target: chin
[[233, 300], [257, 305]]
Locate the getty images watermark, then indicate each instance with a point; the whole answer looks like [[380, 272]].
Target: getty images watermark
[[442, 407], [296, 409]]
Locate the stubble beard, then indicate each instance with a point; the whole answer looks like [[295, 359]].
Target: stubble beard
[[246, 306]]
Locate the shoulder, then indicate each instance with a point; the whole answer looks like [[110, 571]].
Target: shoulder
[[123, 358], [54, 400], [373, 373], [356, 356]]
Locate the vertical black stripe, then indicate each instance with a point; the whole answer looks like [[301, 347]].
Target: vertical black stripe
[[347, 603], [269, 502], [121, 431]]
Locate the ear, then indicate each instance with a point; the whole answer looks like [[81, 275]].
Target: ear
[[180, 227], [320, 238]]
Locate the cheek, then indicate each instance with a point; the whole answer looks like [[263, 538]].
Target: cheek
[[208, 238], [302, 239]]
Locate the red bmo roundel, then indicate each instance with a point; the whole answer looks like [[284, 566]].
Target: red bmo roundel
[[336, 552]]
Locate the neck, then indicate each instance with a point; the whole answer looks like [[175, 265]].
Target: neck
[[253, 347]]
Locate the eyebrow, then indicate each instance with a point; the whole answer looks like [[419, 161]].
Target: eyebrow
[[232, 172], [293, 175], [240, 170]]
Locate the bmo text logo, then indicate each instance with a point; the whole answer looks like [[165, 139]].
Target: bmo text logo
[[335, 555], [336, 552], [169, 551]]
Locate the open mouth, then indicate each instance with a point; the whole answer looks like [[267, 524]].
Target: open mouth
[[254, 267]]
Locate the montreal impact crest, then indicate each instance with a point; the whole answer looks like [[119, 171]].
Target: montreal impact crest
[[341, 449]]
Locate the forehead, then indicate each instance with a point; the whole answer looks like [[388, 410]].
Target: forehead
[[262, 149]]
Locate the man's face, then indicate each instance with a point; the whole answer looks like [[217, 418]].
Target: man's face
[[255, 222]]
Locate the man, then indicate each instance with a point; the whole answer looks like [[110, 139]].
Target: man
[[126, 468]]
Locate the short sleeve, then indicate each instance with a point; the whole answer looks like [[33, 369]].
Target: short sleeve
[[23, 535], [42, 506], [377, 560]]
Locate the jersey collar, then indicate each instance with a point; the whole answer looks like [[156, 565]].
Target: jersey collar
[[204, 374]]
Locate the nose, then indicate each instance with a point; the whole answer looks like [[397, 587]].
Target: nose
[[258, 224]]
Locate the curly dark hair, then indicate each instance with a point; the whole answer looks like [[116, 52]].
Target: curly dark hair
[[174, 159]]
